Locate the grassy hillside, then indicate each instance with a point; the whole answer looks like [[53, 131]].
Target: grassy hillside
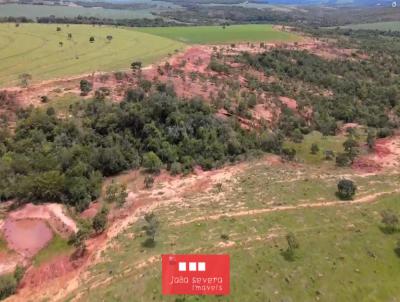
[[379, 26], [343, 254], [218, 34], [35, 49]]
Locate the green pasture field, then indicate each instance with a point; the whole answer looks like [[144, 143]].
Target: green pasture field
[[35, 11], [220, 35], [395, 26], [35, 49], [344, 255]]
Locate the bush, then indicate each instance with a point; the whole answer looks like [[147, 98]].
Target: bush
[[314, 149], [346, 189], [85, 87], [176, 168], [343, 160], [8, 286], [152, 162], [100, 220]]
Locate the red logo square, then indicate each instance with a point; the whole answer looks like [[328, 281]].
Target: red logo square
[[195, 274]]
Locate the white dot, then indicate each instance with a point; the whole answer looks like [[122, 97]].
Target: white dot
[[182, 266], [192, 266], [202, 266]]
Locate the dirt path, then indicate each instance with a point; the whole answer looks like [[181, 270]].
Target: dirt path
[[364, 199]]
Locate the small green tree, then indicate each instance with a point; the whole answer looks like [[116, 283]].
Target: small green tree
[[152, 162], [136, 67], [151, 229], [25, 79], [8, 286], [314, 149], [116, 192], [351, 148], [85, 87], [343, 160], [346, 189], [390, 221], [100, 220], [109, 38], [292, 246], [91, 39]]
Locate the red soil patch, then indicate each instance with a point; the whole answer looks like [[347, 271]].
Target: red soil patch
[[386, 154], [53, 214], [27, 236], [91, 211], [37, 276], [290, 103]]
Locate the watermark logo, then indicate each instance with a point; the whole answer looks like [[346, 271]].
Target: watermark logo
[[394, 4], [195, 274]]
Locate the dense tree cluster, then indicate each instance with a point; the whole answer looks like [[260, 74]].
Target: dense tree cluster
[[50, 158]]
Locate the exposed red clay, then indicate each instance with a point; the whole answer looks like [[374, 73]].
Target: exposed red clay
[[27, 236]]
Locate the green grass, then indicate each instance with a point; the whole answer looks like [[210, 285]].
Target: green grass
[[218, 35], [57, 247], [34, 11], [35, 49], [343, 255], [303, 149], [395, 26], [62, 104]]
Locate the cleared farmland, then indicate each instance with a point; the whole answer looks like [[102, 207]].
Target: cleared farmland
[[219, 34], [45, 53]]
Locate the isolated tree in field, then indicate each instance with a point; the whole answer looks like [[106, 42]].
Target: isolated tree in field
[[25, 78], [314, 149], [346, 189], [152, 162], [85, 87], [351, 148], [109, 38], [136, 67], [58, 29], [61, 44], [151, 229], [116, 192], [69, 36], [100, 220], [390, 221], [292, 246], [343, 160], [91, 39]]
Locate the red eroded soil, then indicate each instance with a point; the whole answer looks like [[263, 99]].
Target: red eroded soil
[[290, 103], [60, 266], [27, 236], [386, 154]]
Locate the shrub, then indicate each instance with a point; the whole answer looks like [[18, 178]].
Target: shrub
[[314, 149], [8, 286], [346, 189], [152, 162], [100, 220]]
